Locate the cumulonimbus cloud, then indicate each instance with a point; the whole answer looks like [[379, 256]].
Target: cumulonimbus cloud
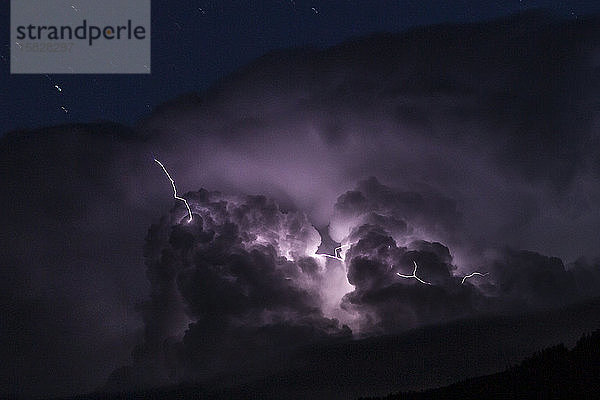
[[481, 139]]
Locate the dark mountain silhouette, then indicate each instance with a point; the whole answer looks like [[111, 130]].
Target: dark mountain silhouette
[[434, 356], [553, 373]]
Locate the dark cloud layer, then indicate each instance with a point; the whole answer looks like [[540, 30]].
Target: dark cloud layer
[[482, 143], [239, 279]]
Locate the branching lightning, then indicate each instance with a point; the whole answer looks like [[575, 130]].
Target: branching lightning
[[175, 189], [472, 274], [413, 276], [337, 253]]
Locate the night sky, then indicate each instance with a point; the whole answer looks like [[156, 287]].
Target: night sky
[[372, 187], [195, 43]]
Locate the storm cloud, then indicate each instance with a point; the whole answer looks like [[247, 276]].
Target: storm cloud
[[401, 280], [459, 148], [500, 118], [240, 278]]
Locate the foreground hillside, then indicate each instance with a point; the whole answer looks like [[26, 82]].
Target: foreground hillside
[[428, 358], [553, 373]]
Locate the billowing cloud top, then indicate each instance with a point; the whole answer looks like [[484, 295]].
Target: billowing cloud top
[[500, 118]]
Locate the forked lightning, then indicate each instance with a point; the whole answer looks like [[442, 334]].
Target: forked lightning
[[413, 276], [337, 253], [175, 189]]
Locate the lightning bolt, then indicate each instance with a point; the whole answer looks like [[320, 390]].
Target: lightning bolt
[[337, 253], [175, 189], [472, 274], [413, 276]]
